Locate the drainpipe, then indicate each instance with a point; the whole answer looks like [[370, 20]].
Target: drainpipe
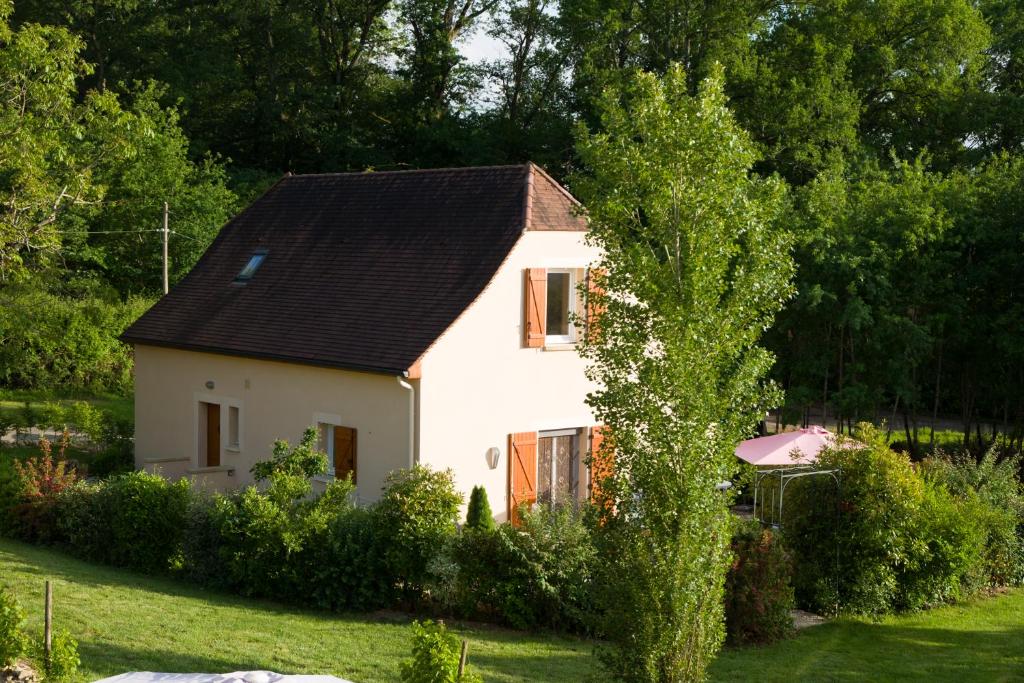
[[412, 419]]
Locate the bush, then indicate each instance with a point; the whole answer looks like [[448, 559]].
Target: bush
[[435, 657], [64, 659], [262, 537], [145, 519], [133, 520], [479, 516], [34, 489], [13, 642], [991, 488], [203, 538], [346, 564], [758, 590], [537, 574], [891, 541], [416, 516]]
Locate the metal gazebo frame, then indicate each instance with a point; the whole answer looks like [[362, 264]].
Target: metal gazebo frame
[[785, 475]]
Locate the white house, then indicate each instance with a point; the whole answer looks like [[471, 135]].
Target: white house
[[412, 317]]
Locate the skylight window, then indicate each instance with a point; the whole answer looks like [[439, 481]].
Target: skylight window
[[250, 268]]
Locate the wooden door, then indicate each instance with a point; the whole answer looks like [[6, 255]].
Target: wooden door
[[522, 478], [344, 452], [212, 435]]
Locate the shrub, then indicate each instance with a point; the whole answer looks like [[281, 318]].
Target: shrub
[[346, 564], [265, 541], [202, 542], [537, 574], [35, 487], [302, 461], [435, 657], [991, 488], [415, 517], [86, 419], [891, 541], [133, 520], [145, 516], [479, 516], [256, 539], [758, 590], [13, 642], [64, 659]]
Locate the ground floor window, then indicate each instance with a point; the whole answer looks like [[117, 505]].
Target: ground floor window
[[234, 434], [339, 443], [558, 466]]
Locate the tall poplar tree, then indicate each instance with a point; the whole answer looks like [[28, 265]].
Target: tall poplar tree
[[694, 268]]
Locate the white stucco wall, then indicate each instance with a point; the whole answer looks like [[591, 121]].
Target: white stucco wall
[[479, 383], [276, 401]]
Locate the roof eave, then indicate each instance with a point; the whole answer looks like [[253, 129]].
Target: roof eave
[[280, 358]]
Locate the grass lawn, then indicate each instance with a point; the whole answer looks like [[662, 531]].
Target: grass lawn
[[122, 407], [128, 622], [978, 641]]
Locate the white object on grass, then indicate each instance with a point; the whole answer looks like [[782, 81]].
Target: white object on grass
[[233, 677]]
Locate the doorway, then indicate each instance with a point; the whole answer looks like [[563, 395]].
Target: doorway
[[209, 434]]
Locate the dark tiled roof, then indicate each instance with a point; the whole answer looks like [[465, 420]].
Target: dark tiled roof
[[363, 270]]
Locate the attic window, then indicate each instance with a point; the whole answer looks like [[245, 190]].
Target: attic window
[[250, 268]]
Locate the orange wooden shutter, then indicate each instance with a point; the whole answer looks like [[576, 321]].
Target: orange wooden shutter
[[522, 476], [535, 316], [344, 452], [601, 462], [594, 309]]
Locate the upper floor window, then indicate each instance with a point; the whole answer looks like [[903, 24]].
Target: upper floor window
[[554, 305], [561, 300]]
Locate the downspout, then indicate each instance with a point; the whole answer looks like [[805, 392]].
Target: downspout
[[412, 419]]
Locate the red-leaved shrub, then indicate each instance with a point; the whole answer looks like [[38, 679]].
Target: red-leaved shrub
[[758, 589]]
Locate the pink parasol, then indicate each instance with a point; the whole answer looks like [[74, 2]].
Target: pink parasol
[[800, 447]]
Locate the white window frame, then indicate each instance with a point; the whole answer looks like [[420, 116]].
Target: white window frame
[[569, 338], [236, 445], [321, 419]]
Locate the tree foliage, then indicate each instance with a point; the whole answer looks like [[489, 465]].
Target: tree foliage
[[694, 268]]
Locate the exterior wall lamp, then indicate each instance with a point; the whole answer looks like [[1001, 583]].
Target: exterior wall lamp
[[493, 455]]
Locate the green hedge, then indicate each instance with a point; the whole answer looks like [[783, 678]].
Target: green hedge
[[907, 538], [892, 538], [134, 520]]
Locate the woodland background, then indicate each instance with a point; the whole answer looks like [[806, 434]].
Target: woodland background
[[897, 126]]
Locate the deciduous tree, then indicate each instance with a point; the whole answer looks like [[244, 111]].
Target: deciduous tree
[[694, 268]]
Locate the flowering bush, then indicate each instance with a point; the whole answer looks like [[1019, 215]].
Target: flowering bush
[[28, 509]]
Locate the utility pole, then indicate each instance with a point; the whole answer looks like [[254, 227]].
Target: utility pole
[[166, 232]]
